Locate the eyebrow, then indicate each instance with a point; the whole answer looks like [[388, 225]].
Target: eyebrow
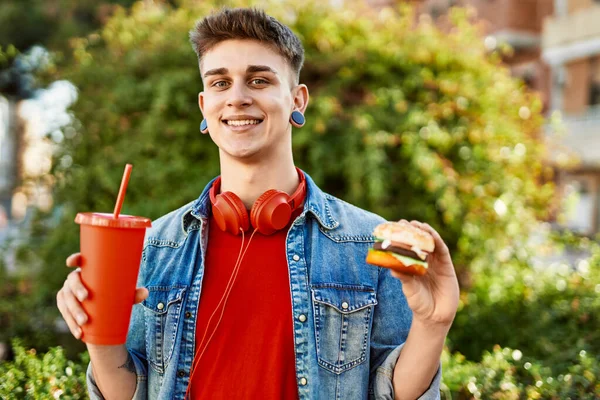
[[249, 70], [259, 68]]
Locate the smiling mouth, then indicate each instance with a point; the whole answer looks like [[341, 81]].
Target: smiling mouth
[[242, 122]]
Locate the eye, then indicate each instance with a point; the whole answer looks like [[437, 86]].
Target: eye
[[258, 81], [220, 84]]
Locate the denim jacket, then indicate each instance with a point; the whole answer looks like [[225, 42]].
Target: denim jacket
[[350, 319]]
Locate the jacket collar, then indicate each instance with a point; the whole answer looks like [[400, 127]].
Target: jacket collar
[[316, 202]]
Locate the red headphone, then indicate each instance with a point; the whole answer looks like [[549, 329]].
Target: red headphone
[[271, 211]]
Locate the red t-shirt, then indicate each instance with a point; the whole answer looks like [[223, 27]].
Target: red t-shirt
[[251, 355]]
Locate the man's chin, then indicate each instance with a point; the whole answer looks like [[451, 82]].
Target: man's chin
[[245, 154]]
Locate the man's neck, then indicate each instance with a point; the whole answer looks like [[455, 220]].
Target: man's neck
[[249, 181]]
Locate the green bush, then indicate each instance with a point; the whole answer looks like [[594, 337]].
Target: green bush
[[42, 376], [503, 373], [551, 312], [27, 304], [508, 374]]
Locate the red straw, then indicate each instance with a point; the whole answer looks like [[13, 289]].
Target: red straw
[[122, 190]]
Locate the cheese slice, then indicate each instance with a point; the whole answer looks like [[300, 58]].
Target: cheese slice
[[407, 260]]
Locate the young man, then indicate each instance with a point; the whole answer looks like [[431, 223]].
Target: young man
[[264, 304]]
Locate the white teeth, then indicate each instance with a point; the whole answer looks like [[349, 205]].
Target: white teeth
[[243, 122]]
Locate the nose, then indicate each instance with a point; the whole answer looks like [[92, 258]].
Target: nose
[[239, 96]]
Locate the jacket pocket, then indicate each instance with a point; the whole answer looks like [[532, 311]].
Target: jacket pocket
[[342, 322], [162, 309]]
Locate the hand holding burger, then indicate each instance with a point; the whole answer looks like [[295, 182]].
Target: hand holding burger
[[417, 255], [402, 247]]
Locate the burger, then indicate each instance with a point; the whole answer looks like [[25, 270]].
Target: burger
[[401, 247]]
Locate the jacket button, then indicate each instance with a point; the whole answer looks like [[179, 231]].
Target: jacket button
[[302, 318], [303, 381], [296, 257], [160, 306], [345, 305], [181, 373], [188, 314]]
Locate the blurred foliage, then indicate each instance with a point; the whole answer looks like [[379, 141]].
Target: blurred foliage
[[507, 374], [441, 131], [50, 23], [405, 120], [503, 373], [7, 55], [43, 376], [27, 306], [22, 73], [550, 311], [29, 24]]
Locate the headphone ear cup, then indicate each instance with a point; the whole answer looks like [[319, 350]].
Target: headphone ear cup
[[271, 212], [230, 213]]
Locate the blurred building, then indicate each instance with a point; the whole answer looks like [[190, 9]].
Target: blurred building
[[25, 160], [518, 23], [8, 157], [557, 53], [571, 47]]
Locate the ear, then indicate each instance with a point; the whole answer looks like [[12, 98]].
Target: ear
[[300, 93], [201, 101]]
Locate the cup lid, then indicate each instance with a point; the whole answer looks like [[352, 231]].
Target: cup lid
[[105, 219]]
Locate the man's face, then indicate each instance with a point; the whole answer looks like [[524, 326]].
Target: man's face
[[248, 98]]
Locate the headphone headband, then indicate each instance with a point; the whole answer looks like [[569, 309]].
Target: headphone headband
[[294, 198], [271, 211]]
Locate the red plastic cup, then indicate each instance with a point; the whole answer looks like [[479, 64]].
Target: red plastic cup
[[111, 251]]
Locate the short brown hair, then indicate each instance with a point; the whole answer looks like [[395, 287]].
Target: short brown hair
[[247, 23]]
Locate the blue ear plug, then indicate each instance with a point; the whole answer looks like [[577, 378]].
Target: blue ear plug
[[203, 126], [298, 118]]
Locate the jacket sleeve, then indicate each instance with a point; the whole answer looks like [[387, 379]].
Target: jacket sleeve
[[382, 381], [392, 319]]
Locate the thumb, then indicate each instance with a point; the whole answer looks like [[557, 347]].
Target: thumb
[[410, 284], [407, 279], [140, 295]]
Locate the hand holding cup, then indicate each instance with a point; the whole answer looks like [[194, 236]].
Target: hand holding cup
[[74, 292]]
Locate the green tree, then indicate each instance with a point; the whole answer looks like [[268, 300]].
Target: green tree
[[410, 122], [25, 23], [47, 24], [405, 120]]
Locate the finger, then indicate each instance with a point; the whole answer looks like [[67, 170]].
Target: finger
[[405, 278], [76, 286], [74, 260], [74, 306], [140, 295], [411, 284], [427, 228], [418, 224], [439, 242], [64, 311], [440, 246]]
